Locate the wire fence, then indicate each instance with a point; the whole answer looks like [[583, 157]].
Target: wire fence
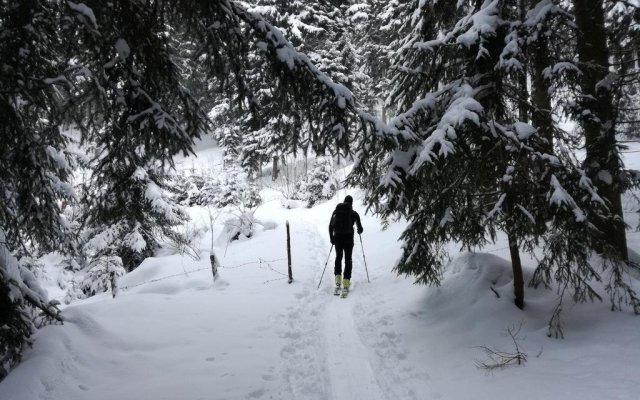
[[261, 262]]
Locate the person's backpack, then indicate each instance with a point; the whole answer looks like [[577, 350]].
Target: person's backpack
[[342, 219]]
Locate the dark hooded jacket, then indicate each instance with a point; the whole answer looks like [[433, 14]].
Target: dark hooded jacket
[[344, 234]]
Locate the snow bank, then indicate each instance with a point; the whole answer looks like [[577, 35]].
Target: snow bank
[[468, 281], [172, 334]]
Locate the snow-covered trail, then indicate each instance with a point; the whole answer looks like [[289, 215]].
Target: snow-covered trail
[[173, 335], [350, 372], [345, 370], [346, 348]]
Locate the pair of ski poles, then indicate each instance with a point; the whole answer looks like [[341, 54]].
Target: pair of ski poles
[[363, 257]]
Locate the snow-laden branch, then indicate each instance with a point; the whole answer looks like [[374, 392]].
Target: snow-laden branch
[[469, 30], [560, 197], [292, 58], [461, 109], [22, 284]]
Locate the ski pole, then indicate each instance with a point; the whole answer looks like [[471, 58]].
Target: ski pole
[[325, 266], [364, 258]]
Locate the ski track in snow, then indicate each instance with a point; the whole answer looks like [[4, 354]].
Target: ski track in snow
[[395, 375], [350, 372], [328, 348], [336, 348], [303, 362]]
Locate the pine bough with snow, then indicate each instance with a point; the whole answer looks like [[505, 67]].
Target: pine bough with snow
[[124, 91], [473, 150], [475, 155]]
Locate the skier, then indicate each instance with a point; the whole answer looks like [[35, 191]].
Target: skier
[[341, 235]]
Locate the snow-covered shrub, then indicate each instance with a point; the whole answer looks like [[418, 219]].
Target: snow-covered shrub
[[188, 188], [321, 184], [100, 276], [135, 223], [189, 234], [235, 189], [242, 224], [207, 193], [184, 188], [229, 187]]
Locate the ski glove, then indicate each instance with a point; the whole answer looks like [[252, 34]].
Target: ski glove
[[332, 240], [360, 230]]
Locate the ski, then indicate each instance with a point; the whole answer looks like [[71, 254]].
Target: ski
[[345, 293], [336, 292]]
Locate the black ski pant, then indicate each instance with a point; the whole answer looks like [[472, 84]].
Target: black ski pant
[[343, 248]]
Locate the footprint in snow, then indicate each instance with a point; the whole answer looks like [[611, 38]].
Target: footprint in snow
[[255, 394]]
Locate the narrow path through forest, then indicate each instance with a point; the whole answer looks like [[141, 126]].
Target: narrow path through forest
[[350, 371], [342, 348]]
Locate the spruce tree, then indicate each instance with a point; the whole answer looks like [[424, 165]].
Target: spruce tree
[[379, 28], [35, 166], [110, 71], [145, 117], [464, 161], [597, 116], [623, 31], [35, 163], [324, 32]]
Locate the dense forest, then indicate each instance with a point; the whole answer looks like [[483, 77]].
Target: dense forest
[[467, 118]]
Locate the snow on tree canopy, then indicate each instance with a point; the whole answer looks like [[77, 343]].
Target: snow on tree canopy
[[560, 197], [483, 23], [103, 239], [85, 11], [462, 109], [139, 174], [559, 68], [160, 204], [122, 47], [59, 186], [22, 282], [398, 160], [134, 240], [524, 130], [58, 156], [447, 217]]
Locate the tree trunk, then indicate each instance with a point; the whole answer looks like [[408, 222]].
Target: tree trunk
[[602, 162], [540, 97], [274, 172], [523, 101], [516, 266], [514, 251]]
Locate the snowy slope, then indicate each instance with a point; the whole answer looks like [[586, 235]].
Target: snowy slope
[[253, 336]]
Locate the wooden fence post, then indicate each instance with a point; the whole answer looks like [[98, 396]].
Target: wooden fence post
[[289, 253], [114, 284], [214, 265], [113, 279]]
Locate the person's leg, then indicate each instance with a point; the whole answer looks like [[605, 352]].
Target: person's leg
[[348, 251], [337, 270]]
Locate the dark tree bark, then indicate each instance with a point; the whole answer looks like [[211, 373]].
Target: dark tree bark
[[540, 98], [274, 171], [602, 162], [516, 266], [514, 252]]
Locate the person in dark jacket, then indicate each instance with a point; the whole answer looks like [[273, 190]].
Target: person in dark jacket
[[341, 235]]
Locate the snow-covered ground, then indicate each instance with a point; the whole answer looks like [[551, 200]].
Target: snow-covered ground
[[171, 333]]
